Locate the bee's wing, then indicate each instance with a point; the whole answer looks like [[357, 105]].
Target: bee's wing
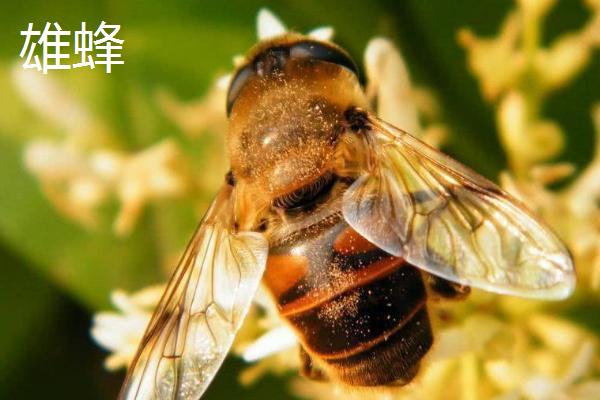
[[422, 205], [201, 310]]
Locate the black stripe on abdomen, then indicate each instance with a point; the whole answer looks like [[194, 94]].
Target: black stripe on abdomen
[[373, 334]]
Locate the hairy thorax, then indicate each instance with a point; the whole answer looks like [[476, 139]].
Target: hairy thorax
[[284, 128]]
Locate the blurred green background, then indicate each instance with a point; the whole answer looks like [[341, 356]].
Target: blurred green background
[[55, 274]]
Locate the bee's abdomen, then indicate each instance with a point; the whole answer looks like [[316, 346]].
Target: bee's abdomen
[[356, 308], [373, 334]]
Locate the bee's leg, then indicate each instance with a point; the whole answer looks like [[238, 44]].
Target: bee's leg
[[440, 288], [308, 369]]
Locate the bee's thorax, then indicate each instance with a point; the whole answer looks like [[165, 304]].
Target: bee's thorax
[[285, 125]]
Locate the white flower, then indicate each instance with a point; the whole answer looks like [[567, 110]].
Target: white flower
[[120, 332], [78, 172], [77, 181]]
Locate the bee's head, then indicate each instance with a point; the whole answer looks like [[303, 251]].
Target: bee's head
[[286, 106], [269, 58]]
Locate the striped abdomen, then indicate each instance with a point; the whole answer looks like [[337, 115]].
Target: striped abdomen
[[357, 309]]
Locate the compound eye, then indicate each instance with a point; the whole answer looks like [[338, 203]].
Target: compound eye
[[236, 85], [322, 52]]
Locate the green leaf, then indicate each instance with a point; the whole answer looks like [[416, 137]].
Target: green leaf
[[27, 303], [46, 349]]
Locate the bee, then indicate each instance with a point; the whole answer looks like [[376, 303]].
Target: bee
[[351, 224]]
